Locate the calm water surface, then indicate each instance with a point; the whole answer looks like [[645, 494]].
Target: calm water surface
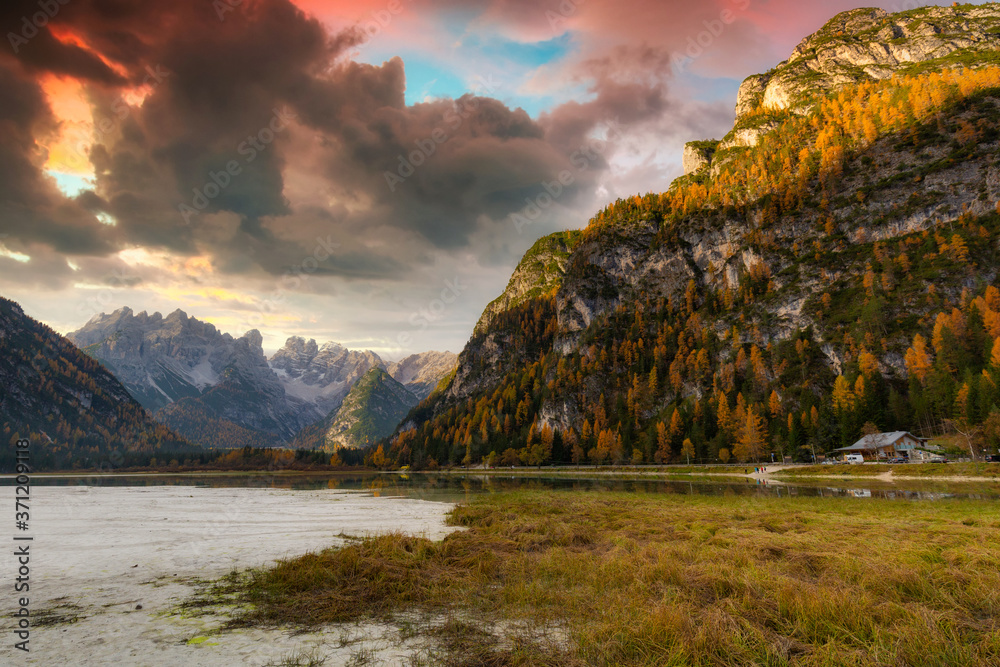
[[458, 487]]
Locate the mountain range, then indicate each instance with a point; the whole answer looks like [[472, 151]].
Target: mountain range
[[72, 410], [373, 408], [829, 265], [219, 390]]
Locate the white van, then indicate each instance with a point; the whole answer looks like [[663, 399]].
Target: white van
[[854, 458]]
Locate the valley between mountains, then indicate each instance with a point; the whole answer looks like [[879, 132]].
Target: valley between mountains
[[220, 391], [828, 268], [635, 458]]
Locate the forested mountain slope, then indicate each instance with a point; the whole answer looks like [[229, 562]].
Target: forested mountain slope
[[73, 411], [370, 411], [832, 263]]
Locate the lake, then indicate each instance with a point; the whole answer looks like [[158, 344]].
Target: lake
[[456, 487]]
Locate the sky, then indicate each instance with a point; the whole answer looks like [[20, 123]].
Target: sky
[[349, 171]]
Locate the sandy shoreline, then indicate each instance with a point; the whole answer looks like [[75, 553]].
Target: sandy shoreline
[[118, 560]]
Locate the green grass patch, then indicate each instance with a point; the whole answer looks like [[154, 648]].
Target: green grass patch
[[928, 470], [949, 469], [195, 641], [638, 579]]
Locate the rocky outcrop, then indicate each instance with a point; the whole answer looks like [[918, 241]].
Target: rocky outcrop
[[539, 271], [189, 373], [164, 359], [421, 373], [320, 375], [602, 277], [854, 46], [697, 156], [871, 44], [743, 137], [751, 94], [178, 364]]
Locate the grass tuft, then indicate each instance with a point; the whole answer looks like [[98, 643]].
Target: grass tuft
[[299, 659], [633, 579]]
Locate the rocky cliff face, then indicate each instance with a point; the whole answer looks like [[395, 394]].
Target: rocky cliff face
[[77, 409], [159, 359], [848, 253], [698, 156], [717, 251], [908, 191], [856, 46], [539, 271], [320, 375], [174, 363], [202, 381], [871, 44], [250, 395], [421, 373]]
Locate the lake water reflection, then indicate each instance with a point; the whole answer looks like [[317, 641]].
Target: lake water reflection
[[455, 487]]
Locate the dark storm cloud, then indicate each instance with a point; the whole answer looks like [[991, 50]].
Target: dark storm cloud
[[31, 210], [26, 27], [189, 171], [216, 89], [440, 166]]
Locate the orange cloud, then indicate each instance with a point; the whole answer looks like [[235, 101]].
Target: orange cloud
[[71, 109]]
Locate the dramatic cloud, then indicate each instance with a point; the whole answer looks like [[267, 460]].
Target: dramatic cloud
[[247, 162]]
